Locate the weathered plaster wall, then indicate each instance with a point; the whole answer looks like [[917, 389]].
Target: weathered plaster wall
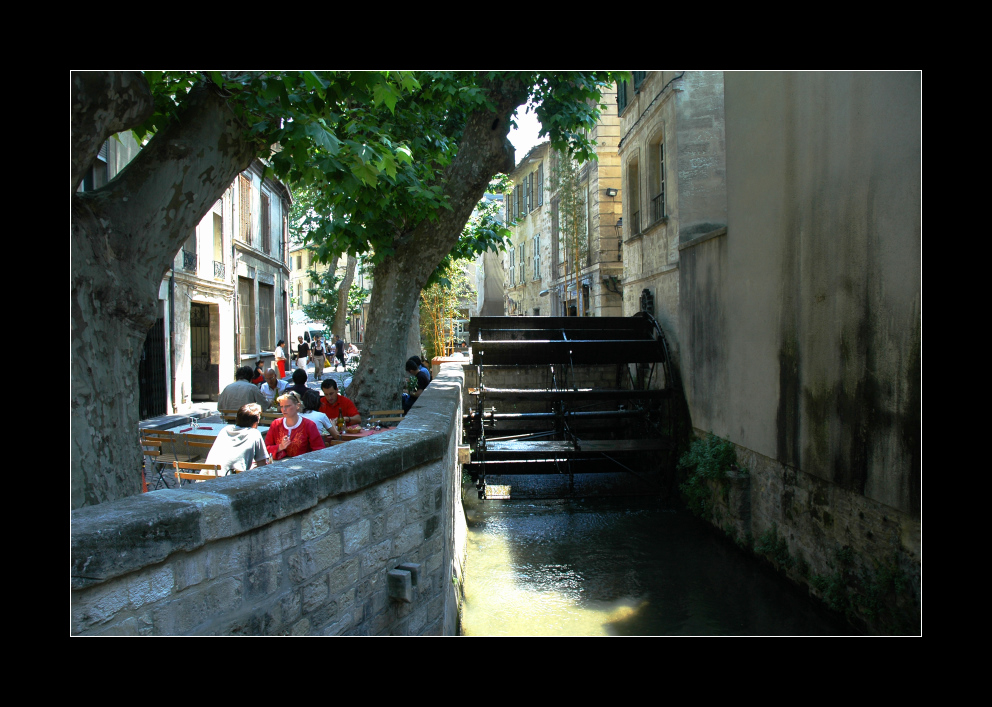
[[801, 322], [299, 547], [808, 310]]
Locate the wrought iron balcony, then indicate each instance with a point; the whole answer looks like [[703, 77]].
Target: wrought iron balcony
[[658, 207], [189, 261], [219, 269]]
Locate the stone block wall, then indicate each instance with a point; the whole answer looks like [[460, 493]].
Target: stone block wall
[[860, 557], [301, 547]]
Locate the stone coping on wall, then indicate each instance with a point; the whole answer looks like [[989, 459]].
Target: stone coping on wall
[[112, 539]]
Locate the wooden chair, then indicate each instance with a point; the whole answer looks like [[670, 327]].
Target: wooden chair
[[230, 416], [388, 416], [269, 417], [191, 471], [198, 445], [152, 442]]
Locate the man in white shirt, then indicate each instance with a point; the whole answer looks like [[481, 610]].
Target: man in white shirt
[[240, 444], [272, 388]]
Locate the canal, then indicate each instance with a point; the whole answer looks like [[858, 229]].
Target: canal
[[619, 566]]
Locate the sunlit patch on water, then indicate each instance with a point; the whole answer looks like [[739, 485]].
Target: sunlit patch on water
[[571, 568]]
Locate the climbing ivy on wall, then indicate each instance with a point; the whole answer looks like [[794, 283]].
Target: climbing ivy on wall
[[709, 459]]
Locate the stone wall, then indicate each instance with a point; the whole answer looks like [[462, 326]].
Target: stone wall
[[801, 328], [860, 557], [301, 547]]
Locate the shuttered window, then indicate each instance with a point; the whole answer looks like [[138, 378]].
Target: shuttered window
[[266, 316], [264, 216], [246, 314], [244, 201], [537, 257], [540, 184]]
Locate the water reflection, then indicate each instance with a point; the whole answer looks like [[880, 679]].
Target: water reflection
[[617, 567]]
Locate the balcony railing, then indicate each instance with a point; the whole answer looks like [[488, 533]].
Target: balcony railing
[[658, 207], [189, 261], [219, 269]]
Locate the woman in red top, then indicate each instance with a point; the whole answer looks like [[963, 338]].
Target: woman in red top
[[292, 435]]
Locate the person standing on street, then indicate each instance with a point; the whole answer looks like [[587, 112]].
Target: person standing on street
[[302, 353], [339, 351], [281, 358], [318, 358]]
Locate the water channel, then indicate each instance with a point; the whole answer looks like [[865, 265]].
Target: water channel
[[619, 566]]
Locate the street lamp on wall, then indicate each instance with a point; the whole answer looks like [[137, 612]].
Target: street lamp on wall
[[611, 192]]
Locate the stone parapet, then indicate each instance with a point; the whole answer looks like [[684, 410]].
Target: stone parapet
[[303, 546]]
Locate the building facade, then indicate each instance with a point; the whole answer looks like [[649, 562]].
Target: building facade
[[672, 155], [228, 289], [594, 291], [225, 301], [548, 272], [302, 263], [528, 209]]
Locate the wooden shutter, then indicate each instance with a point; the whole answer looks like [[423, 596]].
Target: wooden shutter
[[540, 184]]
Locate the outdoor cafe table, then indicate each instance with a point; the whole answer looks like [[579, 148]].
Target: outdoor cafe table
[[211, 429]]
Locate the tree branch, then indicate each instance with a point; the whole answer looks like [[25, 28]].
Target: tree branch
[[103, 104]]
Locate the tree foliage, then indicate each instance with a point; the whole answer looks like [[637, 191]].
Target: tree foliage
[[573, 236], [394, 163], [439, 307]]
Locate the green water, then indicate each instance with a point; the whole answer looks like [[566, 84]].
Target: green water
[[619, 567]]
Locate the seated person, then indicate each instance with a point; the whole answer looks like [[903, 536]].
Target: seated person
[[292, 434], [272, 387], [299, 382], [259, 376], [240, 392], [423, 368], [311, 411], [334, 404], [240, 444], [423, 379]]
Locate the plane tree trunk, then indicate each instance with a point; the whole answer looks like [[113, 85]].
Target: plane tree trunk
[[124, 237], [341, 313], [483, 152]]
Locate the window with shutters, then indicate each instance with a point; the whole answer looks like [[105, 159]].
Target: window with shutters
[[540, 184], [537, 257], [244, 209], [264, 217], [513, 270], [522, 264], [632, 188], [657, 179], [266, 316], [246, 314]]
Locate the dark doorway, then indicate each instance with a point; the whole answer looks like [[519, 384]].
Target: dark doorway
[[151, 373]]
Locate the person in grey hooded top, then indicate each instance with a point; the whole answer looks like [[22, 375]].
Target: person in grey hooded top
[[240, 444]]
